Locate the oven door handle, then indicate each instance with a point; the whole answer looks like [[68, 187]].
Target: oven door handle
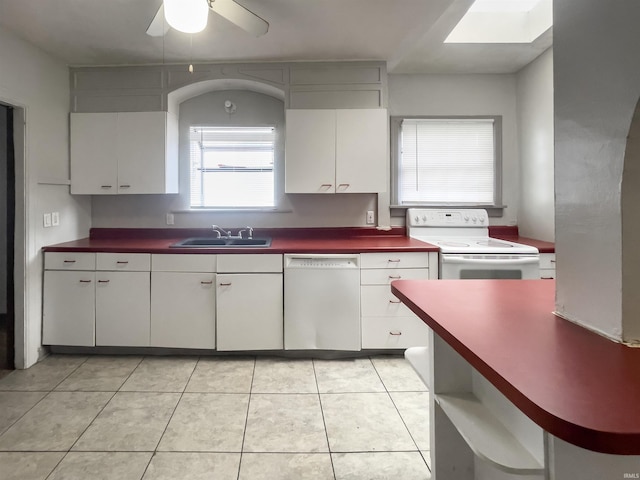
[[534, 260]]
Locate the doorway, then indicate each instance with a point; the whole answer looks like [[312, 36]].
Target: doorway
[[7, 234]]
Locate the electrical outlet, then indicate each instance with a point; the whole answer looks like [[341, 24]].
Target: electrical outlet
[[370, 217], [55, 218], [47, 220], [170, 219]]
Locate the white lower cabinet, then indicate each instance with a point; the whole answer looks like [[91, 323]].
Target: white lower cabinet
[[547, 265], [68, 310], [183, 310], [386, 322], [68, 315], [123, 299], [249, 303], [123, 310]]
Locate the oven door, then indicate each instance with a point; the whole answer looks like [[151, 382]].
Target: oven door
[[468, 266]]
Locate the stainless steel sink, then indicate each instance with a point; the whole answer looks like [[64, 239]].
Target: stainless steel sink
[[204, 242]]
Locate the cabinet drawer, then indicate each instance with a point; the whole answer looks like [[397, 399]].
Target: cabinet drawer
[[250, 263], [183, 263], [135, 262], [394, 332], [378, 301], [69, 261], [384, 276], [547, 260], [547, 273], [395, 260]]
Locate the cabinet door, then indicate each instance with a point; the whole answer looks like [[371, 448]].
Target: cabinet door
[[183, 310], [123, 308], [249, 311], [362, 153], [94, 167], [310, 151], [68, 316], [141, 152]]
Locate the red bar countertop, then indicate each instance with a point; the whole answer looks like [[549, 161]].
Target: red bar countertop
[[575, 384], [284, 240]]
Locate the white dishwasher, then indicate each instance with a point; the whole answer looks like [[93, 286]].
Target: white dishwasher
[[322, 302]]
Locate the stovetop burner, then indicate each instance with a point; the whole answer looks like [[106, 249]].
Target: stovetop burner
[[494, 243]]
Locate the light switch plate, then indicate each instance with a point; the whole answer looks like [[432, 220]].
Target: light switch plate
[[55, 218], [47, 220], [170, 219]]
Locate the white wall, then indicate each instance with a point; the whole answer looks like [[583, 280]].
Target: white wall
[[536, 217], [39, 84], [597, 86], [467, 95]]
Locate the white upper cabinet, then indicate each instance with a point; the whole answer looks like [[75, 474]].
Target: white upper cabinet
[[124, 153], [336, 151]]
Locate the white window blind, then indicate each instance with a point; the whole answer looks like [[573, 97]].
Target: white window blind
[[446, 161], [232, 167]]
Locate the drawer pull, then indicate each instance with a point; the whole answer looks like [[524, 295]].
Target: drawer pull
[[395, 277], [394, 260], [103, 281], [225, 284], [125, 186], [395, 301], [85, 281], [105, 186], [326, 185], [122, 262], [345, 185], [553, 261], [206, 283], [546, 278], [68, 261], [395, 334]]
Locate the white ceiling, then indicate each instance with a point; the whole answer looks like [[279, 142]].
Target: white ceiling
[[408, 34]]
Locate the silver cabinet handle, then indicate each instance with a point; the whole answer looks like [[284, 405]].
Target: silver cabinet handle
[[326, 185], [395, 277], [104, 281], [395, 334], [394, 260], [85, 281], [125, 186], [206, 283], [345, 185], [225, 284], [106, 186], [68, 261], [395, 301], [122, 262]]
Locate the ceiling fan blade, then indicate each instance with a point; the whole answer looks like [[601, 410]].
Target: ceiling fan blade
[[240, 16], [158, 27]]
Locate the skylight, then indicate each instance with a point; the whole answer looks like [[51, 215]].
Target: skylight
[[503, 21]]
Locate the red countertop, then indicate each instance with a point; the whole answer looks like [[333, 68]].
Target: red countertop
[[320, 240], [575, 384]]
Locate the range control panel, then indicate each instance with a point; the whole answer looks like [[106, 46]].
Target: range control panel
[[438, 217]]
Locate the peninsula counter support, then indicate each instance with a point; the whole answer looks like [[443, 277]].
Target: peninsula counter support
[[517, 392]]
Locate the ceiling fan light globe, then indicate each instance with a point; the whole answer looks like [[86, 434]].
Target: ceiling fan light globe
[[188, 16]]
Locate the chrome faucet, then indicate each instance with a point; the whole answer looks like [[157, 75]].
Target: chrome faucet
[[222, 233], [249, 231]]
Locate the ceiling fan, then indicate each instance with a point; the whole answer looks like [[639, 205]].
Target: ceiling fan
[[232, 11]]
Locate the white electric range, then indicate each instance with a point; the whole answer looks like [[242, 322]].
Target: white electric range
[[466, 250]]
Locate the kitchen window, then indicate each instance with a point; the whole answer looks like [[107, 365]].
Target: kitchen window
[[232, 167], [454, 161]]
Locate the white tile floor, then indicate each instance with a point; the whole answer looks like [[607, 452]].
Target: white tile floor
[[156, 418]]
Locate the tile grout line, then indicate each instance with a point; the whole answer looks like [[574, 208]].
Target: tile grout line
[[246, 418], [324, 423], [400, 414], [155, 450]]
